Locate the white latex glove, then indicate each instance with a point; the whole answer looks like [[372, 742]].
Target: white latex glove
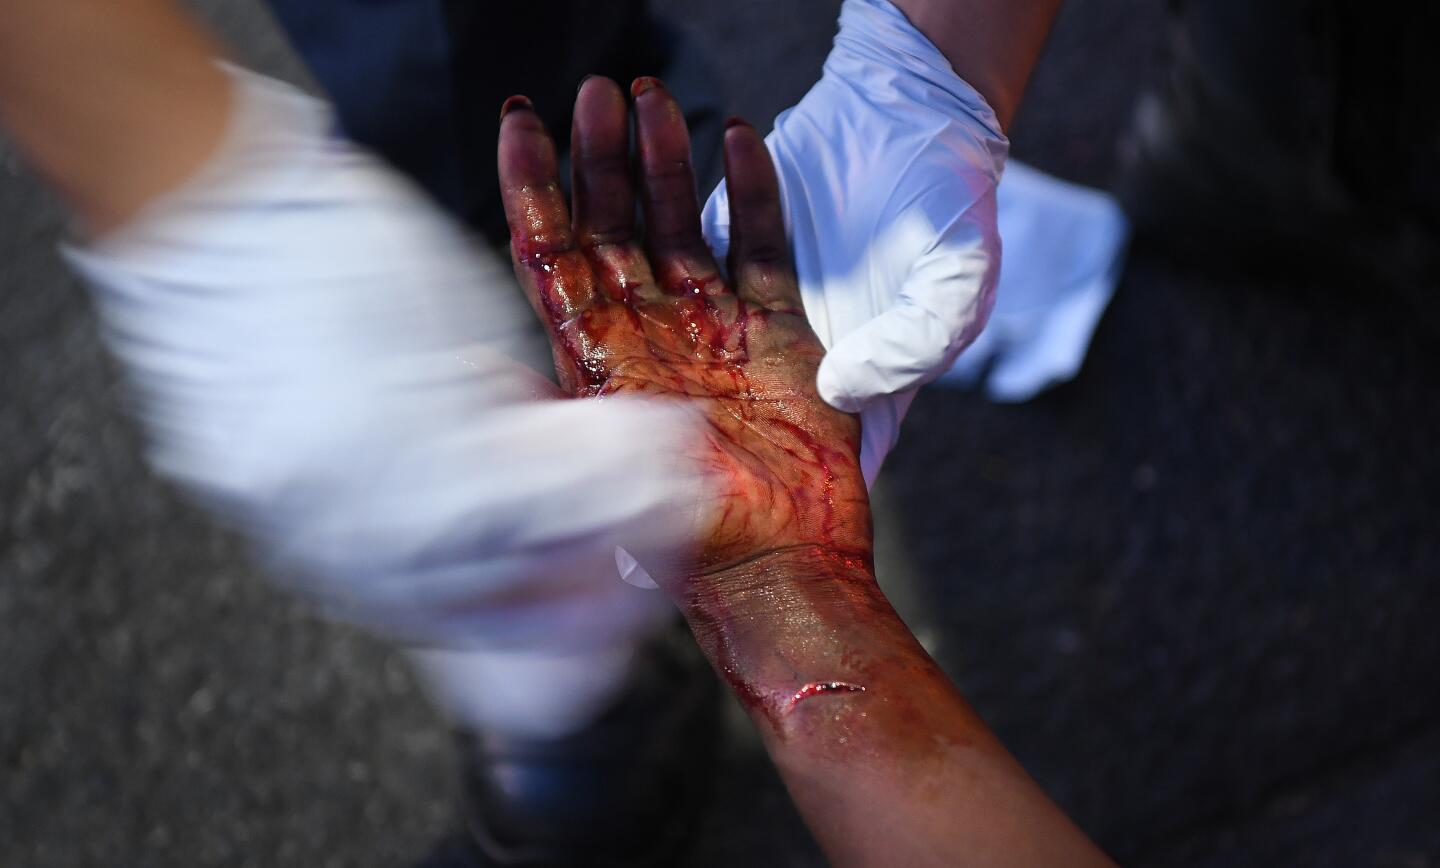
[[1064, 252], [316, 351], [888, 169]]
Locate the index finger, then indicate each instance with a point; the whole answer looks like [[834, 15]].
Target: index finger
[[560, 282]]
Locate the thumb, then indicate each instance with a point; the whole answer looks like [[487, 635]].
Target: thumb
[[941, 307], [904, 347]]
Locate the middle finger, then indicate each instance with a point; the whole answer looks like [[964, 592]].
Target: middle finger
[[681, 259], [605, 194]]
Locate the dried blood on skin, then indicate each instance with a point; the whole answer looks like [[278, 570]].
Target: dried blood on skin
[[677, 279], [707, 329], [821, 457], [714, 631], [700, 317], [550, 272], [613, 265]]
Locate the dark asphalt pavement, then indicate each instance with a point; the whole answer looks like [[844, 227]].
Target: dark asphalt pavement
[[1195, 590]]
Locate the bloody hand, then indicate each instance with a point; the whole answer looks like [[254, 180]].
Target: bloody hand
[[884, 759], [654, 316]]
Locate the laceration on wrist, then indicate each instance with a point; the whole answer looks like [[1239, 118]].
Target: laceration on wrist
[[793, 626]]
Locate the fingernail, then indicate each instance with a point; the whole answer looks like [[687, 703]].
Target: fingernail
[[645, 83], [734, 121], [581, 85], [516, 102]]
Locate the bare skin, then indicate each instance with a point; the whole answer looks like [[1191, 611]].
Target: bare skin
[[992, 44], [116, 102], [883, 757]]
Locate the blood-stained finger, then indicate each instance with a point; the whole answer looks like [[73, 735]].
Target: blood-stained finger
[[605, 192], [678, 253], [550, 266]]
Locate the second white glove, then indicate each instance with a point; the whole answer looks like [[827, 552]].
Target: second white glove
[[888, 169]]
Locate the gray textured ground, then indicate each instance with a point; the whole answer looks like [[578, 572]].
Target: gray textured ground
[[1194, 590]]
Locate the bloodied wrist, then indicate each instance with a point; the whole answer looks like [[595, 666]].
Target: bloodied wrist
[[792, 628]]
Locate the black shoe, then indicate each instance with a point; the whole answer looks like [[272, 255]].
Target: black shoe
[[626, 791]]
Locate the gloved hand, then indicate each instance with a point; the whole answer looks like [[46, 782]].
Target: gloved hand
[[888, 169], [318, 354]]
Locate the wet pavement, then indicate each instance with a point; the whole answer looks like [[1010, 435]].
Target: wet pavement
[[1194, 590]]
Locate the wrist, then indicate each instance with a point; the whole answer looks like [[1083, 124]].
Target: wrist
[[788, 625]]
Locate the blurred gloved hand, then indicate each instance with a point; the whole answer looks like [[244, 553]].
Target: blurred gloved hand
[[888, 169], [323, 358]]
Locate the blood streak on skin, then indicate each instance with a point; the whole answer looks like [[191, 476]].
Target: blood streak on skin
[[611, 262], [549, 273], [742, 320], [704, 322], [821, 457], [713, 634], [705, 328], [816, 688], [748, 694], [701, 318]]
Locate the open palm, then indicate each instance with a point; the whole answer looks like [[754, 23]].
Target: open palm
[[658, 319]]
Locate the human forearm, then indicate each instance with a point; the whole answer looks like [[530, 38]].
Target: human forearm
[[992, 44], [114, 101], [881, 753], [883, 758]]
